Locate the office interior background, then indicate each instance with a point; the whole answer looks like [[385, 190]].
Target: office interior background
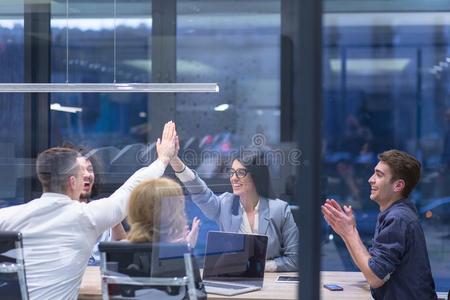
[[385, 84]]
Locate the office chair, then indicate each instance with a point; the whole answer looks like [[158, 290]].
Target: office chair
[[145, 270], [13, 285]]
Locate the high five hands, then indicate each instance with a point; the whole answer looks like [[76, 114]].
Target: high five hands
[[166, 146]]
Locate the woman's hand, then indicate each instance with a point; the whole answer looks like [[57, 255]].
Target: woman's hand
[[177, 164], [166, 146], [192, 235]]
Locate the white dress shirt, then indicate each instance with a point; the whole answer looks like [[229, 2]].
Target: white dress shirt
[[106, 236], [59, 234]]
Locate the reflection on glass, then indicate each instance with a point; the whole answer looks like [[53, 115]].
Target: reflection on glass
[[386, 88], [238, 258], [237, 45], [102, 45]]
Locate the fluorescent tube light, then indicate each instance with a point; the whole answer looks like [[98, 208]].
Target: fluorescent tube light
[[370, 66], [109, 88], [69, 109], [222, 107]]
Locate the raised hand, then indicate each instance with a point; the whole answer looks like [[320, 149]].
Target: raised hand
[[177, 145], [176, 163], [192, 235], [166, 146]]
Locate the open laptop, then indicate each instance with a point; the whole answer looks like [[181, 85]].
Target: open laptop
[[234, 262]]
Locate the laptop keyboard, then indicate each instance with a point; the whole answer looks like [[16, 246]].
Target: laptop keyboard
[[226, 286]]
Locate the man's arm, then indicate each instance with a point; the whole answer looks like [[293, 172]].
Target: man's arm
[[343, 223], [361, 257], [106, 213]]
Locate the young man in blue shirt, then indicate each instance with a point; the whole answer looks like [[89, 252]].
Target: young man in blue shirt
[[397, 264]]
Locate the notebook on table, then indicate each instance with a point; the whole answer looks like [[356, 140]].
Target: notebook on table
[[234, 262]]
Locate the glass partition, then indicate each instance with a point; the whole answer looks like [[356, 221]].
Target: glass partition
[[11, 105], [386, 87], [100, 42], [237, 46]]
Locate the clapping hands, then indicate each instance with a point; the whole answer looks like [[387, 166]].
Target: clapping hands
[[340, 219]]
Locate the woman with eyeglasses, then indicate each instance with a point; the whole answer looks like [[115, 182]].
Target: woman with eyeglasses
[[249, 209]]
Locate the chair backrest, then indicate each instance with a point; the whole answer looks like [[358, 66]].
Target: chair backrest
[[145, 270], [13, 283]]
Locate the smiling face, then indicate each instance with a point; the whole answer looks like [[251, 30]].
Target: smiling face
[[383, 189], [242, 185], [88, 179], [76, 181]]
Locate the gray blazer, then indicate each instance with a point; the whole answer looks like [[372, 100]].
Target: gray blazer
[[275, 221]]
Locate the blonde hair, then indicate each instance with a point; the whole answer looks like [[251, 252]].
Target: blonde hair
[[156, 212]]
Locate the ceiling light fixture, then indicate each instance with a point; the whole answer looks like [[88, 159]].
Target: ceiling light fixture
[[69, 109], [113, 87], [222, 107], [370, 66], [109, 88]]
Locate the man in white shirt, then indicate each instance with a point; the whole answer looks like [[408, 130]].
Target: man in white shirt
[[60, 233]]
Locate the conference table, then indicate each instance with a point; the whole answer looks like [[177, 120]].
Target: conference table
[[354, 284]]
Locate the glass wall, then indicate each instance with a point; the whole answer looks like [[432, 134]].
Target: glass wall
[[236, 46], [11, 105], [100, 42], [386, 86], [209, 38]]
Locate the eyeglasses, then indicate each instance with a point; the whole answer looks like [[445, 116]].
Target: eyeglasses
[[240, 173]]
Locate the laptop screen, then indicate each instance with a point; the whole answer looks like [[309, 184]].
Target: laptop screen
[[235, 257]]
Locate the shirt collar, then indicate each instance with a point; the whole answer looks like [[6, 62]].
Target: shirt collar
[[404, 201], [256, 207], [56, 195]]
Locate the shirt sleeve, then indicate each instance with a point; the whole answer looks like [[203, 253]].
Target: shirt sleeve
[[5, 215], [105, 213], [186, 176], [388, 247], [271, 266], [203, 197]]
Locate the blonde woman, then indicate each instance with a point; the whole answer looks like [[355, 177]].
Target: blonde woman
[[156, 213]]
